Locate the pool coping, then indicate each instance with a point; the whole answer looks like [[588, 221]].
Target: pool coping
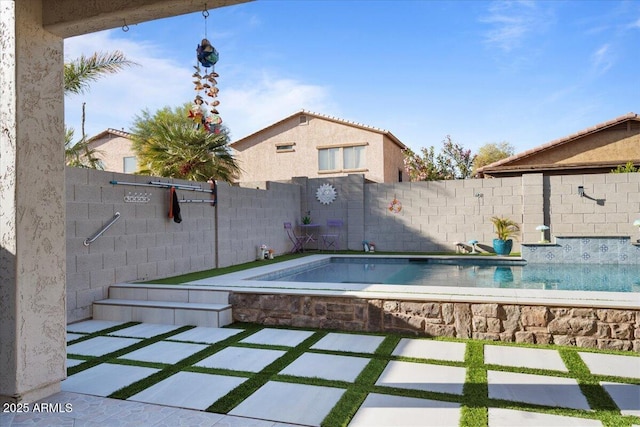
[[241, 282]]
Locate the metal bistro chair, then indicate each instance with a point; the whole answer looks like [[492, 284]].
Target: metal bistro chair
[[298, 241], [331, 239]]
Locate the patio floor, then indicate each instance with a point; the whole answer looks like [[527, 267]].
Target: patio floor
[[123, 374]]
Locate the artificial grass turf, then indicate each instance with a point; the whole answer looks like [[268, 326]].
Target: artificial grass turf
[[474, 399]]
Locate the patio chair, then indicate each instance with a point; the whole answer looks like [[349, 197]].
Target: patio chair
[[298, 241], [331, 239]]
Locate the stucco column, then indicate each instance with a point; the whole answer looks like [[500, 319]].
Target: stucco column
[[32, 205]]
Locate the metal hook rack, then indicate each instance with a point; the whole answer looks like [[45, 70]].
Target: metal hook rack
[[158, 184]]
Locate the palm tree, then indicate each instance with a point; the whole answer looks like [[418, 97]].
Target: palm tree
[[78, 154], [77, 76], [83, 70], [178, 149]]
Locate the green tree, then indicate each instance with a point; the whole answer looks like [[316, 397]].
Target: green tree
[[492, 152], [78, 154], [454, 162], [168, 144], [628, 168], [78, 74]]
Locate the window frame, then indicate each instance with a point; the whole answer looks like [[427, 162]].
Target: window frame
[[340, 165]]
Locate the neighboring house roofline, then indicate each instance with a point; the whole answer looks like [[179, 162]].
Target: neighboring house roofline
[[558, 142], [110, 131], [505, 170], [391, 136]]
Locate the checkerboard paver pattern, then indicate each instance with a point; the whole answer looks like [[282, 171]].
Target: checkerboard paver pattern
[[408, 380]]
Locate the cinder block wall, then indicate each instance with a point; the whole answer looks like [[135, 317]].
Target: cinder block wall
[[609, 207], [146, 244], [436, 214], [248, 218]]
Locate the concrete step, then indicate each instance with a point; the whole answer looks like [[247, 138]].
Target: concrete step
[[164, 312], [176, 293]]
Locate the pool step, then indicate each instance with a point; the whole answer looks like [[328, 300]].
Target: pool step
[[174, 305]]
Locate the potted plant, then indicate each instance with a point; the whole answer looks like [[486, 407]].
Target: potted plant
[[505, 228]]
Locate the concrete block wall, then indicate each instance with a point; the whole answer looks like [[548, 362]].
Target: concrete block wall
[[145, 243], [609, 207], [348, 206], [250, 217], [436, 214]]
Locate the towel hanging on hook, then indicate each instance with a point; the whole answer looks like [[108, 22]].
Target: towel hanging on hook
[[174, 206]]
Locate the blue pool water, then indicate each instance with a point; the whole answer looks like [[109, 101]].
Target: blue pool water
[[463, 273]]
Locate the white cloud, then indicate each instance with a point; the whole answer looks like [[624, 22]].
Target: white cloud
[[602, 59], [511, 22], [261, 102], [248, 102]]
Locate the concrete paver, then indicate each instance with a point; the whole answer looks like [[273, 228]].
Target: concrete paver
[[189, 390], [380, 410], [524, 357], [612, 364], [423, 376], [172, 401], [326, 366], [536, 389], [430, 349], [290, 403], [241, 359]]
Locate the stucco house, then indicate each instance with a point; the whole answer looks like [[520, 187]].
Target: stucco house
[[598, 149], [315, 145], [113, 147]]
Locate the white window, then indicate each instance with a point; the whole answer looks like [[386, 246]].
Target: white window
[[129, 165], [328, 159], [342, 158], [353, 157], [284, 148]]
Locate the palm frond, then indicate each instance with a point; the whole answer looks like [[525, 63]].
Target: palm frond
[[85, 69]]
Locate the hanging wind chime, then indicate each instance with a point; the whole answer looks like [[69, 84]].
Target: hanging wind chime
[[204, 112]]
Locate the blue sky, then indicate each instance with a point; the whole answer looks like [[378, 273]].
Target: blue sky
[[525, 72]]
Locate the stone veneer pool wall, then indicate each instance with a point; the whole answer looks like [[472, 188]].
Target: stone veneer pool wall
[[603, 328], [583, 250]]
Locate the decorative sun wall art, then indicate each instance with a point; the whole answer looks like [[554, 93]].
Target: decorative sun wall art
[[326, 194]]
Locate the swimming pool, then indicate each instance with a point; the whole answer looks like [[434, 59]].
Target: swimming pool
[[548, 311], [474, 273]]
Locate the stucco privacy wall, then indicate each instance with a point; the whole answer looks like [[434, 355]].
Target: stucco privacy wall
[[146, 244]]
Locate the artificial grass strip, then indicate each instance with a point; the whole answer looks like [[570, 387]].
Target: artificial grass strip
[[121, 352], [474, 399], [475, 392], [599, 400], [168, 370], [247, 388], [343, 412], [199, 275], [102, 332]]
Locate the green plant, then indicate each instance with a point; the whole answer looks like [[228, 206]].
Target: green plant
[[505, 227], [307, 218], [627, 168]]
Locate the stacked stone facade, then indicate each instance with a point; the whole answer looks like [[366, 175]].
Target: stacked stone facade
[[610, 329]]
